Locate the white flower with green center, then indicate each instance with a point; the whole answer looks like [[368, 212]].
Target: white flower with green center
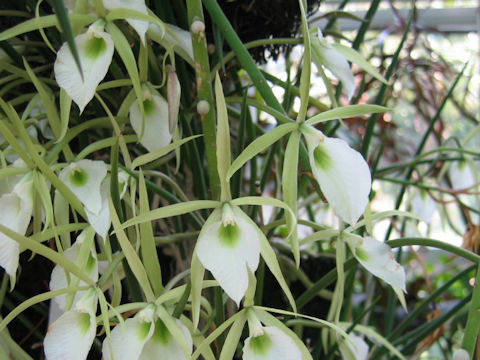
[[270, 343], [228, 245], [16, 210], [95, 48], [72, 334], [377, 257], [152, 128], [342, 173], [146, 337], [84, 179], [323, 54], [140, 26]]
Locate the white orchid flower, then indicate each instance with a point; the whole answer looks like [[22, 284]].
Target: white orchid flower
[[323, 54], [146, 337], [72, 334], [84, 179], [270, 343], [342, 173], [228, 245], [16, 210], [140, 26], [153, 129], [58, 279], [95, 48], [377, 257]]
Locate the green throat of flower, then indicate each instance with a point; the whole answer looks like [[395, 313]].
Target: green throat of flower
[[229, 234], [161, 334], [260, 344], [78, 177], [95, 47], [322, 158]]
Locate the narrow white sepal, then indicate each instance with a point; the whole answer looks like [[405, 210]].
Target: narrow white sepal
[[140, 26], [84, 178], [71, 336], [95, 49], [227, 249], [377, 257], [101, 221], [342, 173], [273, 344], [181, 41], [16, 211], [156, 133], [326, 55]]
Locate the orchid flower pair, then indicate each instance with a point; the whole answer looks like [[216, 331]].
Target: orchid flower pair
[[96, 46], [151, 334]]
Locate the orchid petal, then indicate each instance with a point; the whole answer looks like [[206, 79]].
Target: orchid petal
[[179, 39], [163, 345], [423, 205], [156, 134], [95, 48], [140, 26], [227, 249], [359, 348], [326, 55], [273, 344], [71, 336], [84, 178], [342, 172], [17, 207], [377, 257], [129, 339], [101, 221]]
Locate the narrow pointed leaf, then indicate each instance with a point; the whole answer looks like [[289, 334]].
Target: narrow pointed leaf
[[346, 112], [170, 210], [132, 258], [124, 50], [271, 260], [224, 152], [154, 155], [290, 188], [233, 338], [147, 242], [354, 56], [66, 26], [258, 145]]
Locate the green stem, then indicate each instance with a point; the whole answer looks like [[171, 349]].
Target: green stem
[[473, 320], [204, 92], [256, 43], [242, 53], [410, 241]]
